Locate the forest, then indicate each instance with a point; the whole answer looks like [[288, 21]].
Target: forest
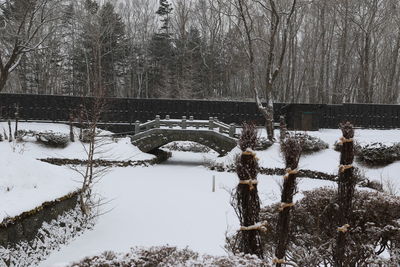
[[299, 51]]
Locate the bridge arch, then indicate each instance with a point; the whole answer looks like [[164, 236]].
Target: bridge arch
[[156, 138]]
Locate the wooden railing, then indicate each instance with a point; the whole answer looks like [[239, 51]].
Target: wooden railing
[[211, 124]]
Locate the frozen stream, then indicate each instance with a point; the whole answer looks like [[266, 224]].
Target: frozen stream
[[171, 203]]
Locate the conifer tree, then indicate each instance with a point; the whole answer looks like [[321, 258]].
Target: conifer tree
[[164, 12], [162, 55]]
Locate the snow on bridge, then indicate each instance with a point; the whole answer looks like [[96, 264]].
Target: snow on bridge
[[213, 133]]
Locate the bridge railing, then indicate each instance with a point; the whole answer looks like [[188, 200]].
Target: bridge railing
[[212, 124]]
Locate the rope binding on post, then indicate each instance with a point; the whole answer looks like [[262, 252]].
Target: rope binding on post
[[280, 261], [285, 205], [343, 228], [261, 226], [250, 152], [342, 168], [345, 140], [250, 182], [290, 172]]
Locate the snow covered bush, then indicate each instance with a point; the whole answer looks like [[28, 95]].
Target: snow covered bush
[[86, 136], [49, 238], [52, 139], [1, 137], [187, 147], [337, 146], [379, 154], [374, 229], [310, 143], [263, 143], [48, 138], [167, 256], [22, 135]]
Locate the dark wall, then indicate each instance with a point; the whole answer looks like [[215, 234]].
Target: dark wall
[[123, 110], [26, 226]]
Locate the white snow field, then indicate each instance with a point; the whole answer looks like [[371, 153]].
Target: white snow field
[[170, 203], [25, 183]]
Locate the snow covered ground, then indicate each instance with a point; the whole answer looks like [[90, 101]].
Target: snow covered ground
[[170, 203], [118, 149], [328, 160], [25, 183]]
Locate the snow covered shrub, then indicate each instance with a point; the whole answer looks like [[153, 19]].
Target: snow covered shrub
[[86, 135], [379, 154], [22, 135], [50, 237], [187, 147], [53, 139], [263, 143], [310, 143], [337, 146], [166, 256], [1, 137], [374, 228]]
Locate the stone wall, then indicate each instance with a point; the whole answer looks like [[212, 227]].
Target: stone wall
[[25, 226]]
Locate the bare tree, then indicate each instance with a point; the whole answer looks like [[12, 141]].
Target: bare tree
[[273, 63], [91, 113], [23, 21], [274, 59]]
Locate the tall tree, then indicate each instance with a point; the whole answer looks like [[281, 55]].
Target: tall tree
[[161, 54], [23, 21]]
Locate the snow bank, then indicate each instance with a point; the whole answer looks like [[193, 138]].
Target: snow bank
[[26, 183], [108, 148], [327, 160]]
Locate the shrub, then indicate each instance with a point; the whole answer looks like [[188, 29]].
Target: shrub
[[263, 143], [187, 147], [22, 134], [53, 139], [1, 137], [86, 135], [374, 228], [379, 154], [166, 256], [310, 143], [337, 146]]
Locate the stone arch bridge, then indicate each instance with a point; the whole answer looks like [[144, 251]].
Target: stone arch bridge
[[212, 133]]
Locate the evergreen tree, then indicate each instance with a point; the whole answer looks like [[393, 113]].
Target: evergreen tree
[[162, 56], [113, 44], [101, 50], [164, 11]]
